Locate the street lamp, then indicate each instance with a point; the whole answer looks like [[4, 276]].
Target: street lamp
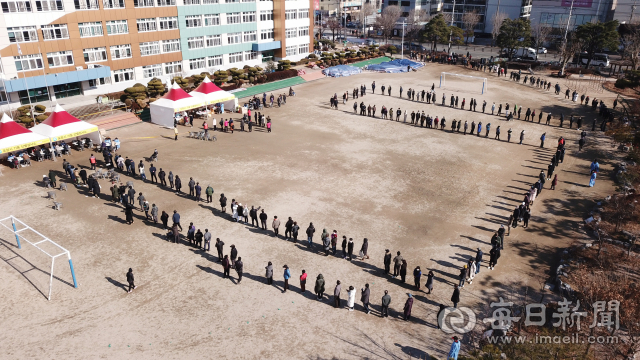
[[402, 43]]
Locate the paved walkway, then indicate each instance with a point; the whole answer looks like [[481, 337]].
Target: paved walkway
[[268, 87]]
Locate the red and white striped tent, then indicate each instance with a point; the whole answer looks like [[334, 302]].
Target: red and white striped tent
[[211, 94], [61, 125], [176, 100], [14, 137]]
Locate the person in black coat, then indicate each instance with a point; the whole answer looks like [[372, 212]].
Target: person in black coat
[[455, 298], [83, 176], [263, 220], [287, 228], [96, 189], [128, 211], [350, 248], [365, 248], [220, 247], [234, 255], [223, 203], [130, 280], [344, 247], [161, 175], [239, 267], [178, 183], [387, 262], [516, 216], [165, 219], [479, 254], [429, 284]]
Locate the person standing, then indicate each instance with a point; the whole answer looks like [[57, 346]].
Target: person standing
[[276, 226], [239, 266], [344, 247], [417, 273], [287, 276], [479, 259], [209, 192], [198, 189], [130, 280], [165, 219], [294, 231], [269, 273], [226, 265], [554, 182], [364, 297], [350, 248], [364, 249], [397, 262], [352, 298], [521, 136], [386, 300], [287, 228], [303, 281], [336, 295], [455, 298], [542, 137], [223, 203], [319, 288], [234, 254], [263, 220], [387, 262], [310, 231], [407, 307], [403, 271], [429, 284], [455, 349], [219, 247]]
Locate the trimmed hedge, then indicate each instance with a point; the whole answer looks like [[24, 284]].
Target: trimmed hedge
[[280, 75]]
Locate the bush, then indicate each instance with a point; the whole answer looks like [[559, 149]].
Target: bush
[[41, 108], [280, 75], [183, 83], [136, 92], [41, 118], [284, 65], [312, 56], [623, 83], [25, 119], [220, 77], [155, 87]]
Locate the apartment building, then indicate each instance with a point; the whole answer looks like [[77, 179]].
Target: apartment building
[[61, 48]]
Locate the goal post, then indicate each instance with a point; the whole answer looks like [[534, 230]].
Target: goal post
[[443, 80], [39, 241]]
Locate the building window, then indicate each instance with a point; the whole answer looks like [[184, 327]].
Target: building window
[[145, 25], [86, 4], [120, 51], [231, 1], [196, 42], [291, 14], [151, 71], [142, 3], [234, 38], [405, 3], [100, 81], [113, 4], [291, 33], [214, 61], [249, 36], [248, 16], [212, 20], [303, 31], [199, 63], [173, 67], [303, 14], [123, 75], [28, 62], [95, 54], [33, 96], [246, 1], [266, 34], [193, 21], [169, 46], [303, 49], [292, 50], [22, 34], [250, 55], [192, 2], [233, 18], [168, 23], [15, 6], [213, 40], [207, 2], [235, 57], [90, 29], [117, 27], [266, 15], [149, 48], [166, 2], [49, 5], [60, 58], [54, 32]]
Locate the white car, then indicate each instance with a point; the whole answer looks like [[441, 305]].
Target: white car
[[542, 50]]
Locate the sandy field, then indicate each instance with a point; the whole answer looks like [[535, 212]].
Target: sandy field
[[433, 195]]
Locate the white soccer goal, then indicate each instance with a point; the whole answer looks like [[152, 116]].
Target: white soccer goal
[[468, 86], [40, 242]]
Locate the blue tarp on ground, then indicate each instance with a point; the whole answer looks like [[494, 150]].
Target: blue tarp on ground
[[341, 70], [395, 66]]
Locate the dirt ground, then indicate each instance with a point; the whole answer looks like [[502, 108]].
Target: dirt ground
[[433, 195]]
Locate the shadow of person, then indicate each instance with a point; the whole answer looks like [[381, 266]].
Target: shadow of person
[[116, 283]]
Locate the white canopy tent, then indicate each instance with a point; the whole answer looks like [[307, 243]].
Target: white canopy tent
[[176, 100], [61, 125], [211, 94], [14, 137]]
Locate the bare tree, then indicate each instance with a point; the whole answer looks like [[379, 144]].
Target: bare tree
[[540, 33], [415, 23], [568, 49], [368, 9], [387, 20], [631, 43], [470, 20], [334, 25], [496, 23]]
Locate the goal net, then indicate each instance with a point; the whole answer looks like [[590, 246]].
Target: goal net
[[467, 83], [24, 233]]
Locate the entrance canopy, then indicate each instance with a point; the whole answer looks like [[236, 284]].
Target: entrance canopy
[[176, 100], [61, 125], [14, 137]]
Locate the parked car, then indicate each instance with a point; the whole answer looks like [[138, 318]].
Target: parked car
[[370, 42], [542, 50]]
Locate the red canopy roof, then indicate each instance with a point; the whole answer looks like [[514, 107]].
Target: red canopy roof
[[176, 93], [207, 87], [9, 128], [59, 117]]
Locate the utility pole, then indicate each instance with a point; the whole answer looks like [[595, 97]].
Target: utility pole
[[453, 16], [564, 41], [402, 43], [633, 9]]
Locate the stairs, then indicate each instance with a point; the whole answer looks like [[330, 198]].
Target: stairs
[[116, 121]]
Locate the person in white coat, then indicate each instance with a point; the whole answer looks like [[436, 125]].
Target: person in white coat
[[234, 209], [352, 297], [472, 273], [246, 214]]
